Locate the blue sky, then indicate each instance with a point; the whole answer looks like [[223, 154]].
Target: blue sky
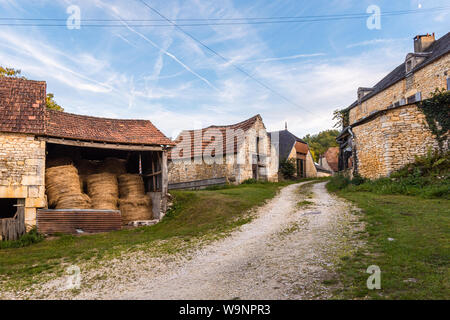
[[160, 74]]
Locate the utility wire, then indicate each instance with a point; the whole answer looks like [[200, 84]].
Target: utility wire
[[237, 19], [228, 21], [225, 59]]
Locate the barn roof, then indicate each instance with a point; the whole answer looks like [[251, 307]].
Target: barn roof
[[72, 126], [23, 110], [332, 156]]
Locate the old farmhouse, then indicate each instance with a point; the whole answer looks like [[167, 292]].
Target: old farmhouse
[[223, 154], [33, 139], [384, 128]]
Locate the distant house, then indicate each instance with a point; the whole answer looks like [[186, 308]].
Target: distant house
[[329, 160], [386, 129], [292, 147], [223, 154]]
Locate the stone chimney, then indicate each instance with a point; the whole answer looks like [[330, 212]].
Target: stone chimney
[[423, 42]]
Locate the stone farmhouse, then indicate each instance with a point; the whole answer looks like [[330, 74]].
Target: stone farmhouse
[[292, 147], [30, 134], [223, 154], [385, 129]]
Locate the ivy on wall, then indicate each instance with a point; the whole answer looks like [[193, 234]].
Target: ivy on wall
[[437, 113]]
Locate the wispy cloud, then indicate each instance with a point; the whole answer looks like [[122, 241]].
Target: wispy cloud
[[375, 42]]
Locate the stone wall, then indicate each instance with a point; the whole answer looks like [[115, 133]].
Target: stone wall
[[389, 142], [186, 170], [310, 168], [22, 172], [396, 136]]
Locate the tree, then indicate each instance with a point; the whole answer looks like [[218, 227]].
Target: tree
[[319, 143], [341, 117], [9, 72], [287, 168], [14, 73], [51, 103]]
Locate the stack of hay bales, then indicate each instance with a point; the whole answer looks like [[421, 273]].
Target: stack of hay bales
[[103, 191], [63, 188], [113, 165], [134, 203]]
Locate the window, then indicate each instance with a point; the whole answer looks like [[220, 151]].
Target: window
[[8, 207]]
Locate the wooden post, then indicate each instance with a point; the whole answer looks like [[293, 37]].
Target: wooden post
[[164, 182], [153, 171]]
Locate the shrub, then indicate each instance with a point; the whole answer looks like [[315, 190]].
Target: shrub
[[250, 181], [27, 239], [287, 168], [427, 177], [338, 182]]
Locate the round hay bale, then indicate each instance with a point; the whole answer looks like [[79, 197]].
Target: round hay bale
[[57, 162], [131, 185], [87, 167], [113, 165], [135, 208], [103, 190], [63, 188], [74, 201]]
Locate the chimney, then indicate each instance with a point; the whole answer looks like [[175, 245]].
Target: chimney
[[423, 42]]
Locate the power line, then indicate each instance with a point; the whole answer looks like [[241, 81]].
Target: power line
[[234, 21], [224, 59]]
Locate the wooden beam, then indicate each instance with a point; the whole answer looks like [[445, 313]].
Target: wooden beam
[[100, 145]]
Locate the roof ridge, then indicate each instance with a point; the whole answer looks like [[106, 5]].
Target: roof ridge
[[95, 117]]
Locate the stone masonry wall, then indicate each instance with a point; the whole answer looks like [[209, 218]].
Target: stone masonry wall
[[392, 140], [186, 170], [22, 172]]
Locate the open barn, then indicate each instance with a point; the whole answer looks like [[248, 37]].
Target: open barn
[[71, 173]]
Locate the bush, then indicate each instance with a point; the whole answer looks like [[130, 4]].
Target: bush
[[27, 239], [288, 168], [427, 177], [338, 182], [250, 181]]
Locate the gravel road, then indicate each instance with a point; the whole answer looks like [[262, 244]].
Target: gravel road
[[286, 252]]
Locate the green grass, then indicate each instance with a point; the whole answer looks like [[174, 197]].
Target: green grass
[[205, 214], [413, 266]]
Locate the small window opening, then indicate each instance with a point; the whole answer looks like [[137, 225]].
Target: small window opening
[[8, 207]]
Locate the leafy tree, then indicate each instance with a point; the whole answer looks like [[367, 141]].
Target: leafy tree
[[51, 103], [14, 73], [341, 117], [9, 72], [319, 143]]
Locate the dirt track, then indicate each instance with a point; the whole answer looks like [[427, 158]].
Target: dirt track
[[286, 252]]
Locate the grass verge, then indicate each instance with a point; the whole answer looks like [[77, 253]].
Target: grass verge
[[208, 214], [408, 238]]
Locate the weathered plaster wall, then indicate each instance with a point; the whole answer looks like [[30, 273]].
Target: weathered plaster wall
[[22, 171]]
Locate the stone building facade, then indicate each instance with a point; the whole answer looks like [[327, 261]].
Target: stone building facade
[[22, 156], [223, 154], [386, 128]]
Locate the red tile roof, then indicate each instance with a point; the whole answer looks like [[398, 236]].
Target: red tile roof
[[22, 104], [206, 136], [72, 126], [23, 110]]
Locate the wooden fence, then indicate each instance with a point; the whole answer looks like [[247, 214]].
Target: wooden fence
[[13, 228]]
